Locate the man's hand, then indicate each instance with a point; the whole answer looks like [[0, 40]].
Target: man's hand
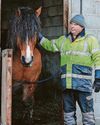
[[96, 85]]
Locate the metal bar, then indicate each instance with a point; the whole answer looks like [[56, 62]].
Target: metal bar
[[81, 6]]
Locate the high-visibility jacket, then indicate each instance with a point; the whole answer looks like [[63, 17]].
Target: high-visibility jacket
[[77, 60]]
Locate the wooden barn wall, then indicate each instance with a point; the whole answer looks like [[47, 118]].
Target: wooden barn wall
[[51, 16]]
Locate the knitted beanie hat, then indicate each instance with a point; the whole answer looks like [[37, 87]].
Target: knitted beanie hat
[[79, 19]]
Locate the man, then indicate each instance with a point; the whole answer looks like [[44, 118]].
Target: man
[[79, 53]]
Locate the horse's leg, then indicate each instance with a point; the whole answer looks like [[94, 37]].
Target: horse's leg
[[28, 101], [28, 91]]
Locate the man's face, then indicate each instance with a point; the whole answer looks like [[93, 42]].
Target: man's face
[[75, 29]]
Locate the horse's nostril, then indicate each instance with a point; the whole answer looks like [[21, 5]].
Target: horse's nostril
[[23, 60]]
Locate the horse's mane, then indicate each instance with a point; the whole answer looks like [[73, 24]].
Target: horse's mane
[[27, 24]]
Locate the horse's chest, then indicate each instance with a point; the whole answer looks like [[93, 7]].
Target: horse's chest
[[24, 73], [20, 72], [31, 74]]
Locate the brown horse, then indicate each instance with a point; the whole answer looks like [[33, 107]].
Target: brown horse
[[23, 39]]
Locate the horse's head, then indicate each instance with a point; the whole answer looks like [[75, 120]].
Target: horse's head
[[24, 29], [27, 48]]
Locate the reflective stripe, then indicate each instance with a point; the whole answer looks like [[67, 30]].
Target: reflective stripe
[[69, 118], [61, 48], [42, 40], [75, 53], [88, 118], [85, 46], [95, 50], [76, 76], [54, 46]]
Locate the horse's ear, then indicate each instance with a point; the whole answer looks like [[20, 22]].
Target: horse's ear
[[18, 12], [38, 11]]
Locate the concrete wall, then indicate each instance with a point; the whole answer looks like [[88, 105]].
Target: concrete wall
[[91, 12]]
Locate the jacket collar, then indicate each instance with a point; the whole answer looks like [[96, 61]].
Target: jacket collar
[[81, 34]]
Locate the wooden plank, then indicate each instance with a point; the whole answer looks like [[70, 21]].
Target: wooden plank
[[6, 105], [67, 14]]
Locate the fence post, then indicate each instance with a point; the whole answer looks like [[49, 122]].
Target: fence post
[[6, 99]]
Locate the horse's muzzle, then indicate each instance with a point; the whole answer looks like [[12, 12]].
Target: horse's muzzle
[[23, 60]]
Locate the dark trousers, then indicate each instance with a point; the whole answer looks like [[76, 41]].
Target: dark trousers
[[85, 102]]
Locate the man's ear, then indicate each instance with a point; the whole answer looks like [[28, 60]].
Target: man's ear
[[38, 11]]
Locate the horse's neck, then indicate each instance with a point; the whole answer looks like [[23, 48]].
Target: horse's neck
[[17, 56], [36, 51]]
